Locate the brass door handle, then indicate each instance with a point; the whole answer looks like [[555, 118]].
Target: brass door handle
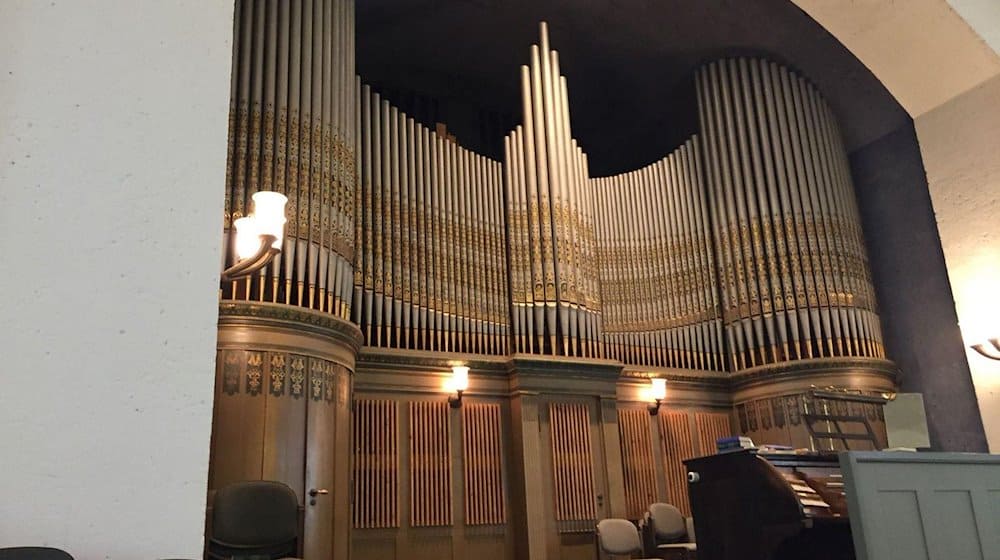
[[313, 492]]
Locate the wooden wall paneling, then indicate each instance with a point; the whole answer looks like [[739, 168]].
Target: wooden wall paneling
[[677, 445], [771, 425], [376, 464], [238, 434], [711, 427], [430, 464], [637, 460], [609, 478], [530, 471], [365, 547], [284, 420]]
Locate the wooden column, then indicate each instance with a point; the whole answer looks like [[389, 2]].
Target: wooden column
[[527, 487]]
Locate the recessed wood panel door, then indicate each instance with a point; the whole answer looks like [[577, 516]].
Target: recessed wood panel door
[[320, 456], [576, 475]]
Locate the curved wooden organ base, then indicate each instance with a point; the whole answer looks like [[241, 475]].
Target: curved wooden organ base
[[284, 378]]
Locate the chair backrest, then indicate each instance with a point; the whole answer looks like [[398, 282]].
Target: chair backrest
[[647, 535], [617, 536], [33, 553], [254, 518], [668, 522]]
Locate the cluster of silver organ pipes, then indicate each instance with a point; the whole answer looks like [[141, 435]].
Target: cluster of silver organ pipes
[[742, 247]]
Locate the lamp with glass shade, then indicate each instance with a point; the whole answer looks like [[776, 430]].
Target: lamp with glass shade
[[259, 235], [459, 383], [658, 391]]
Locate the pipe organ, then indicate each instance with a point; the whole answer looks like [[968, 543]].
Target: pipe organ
[[741, 248], [734, 266]]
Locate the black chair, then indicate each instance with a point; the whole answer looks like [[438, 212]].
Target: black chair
[[33, 553], [254, 519]]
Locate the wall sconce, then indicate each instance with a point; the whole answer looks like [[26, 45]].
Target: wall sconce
[[993, 354], [259, 235], [658, 391], [459, 383]]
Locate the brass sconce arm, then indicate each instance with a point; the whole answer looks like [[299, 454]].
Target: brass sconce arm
[[654, 409], [246, 267], [991, 354]]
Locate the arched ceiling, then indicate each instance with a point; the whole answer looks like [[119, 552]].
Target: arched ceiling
[[629, 63], [926, 52]]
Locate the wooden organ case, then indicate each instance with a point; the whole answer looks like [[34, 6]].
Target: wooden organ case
[[759, 506]]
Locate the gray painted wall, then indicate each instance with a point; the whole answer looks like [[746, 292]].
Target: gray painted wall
[[911, 283]]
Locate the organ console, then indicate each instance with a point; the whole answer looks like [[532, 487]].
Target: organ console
[[752, 505]]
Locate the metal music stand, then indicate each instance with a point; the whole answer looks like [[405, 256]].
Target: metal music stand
[[837, 432]]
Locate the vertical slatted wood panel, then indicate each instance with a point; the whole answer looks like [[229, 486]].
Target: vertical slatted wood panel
[[711, 426], [637, 458], [572, 462], [376, 462], [675, 436], [483, 452], [430, 464]]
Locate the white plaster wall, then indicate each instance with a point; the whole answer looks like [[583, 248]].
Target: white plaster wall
[[983, 16], [113, 118], [960, 145]]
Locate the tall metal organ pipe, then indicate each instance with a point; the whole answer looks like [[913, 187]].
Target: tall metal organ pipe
[[549, 199]]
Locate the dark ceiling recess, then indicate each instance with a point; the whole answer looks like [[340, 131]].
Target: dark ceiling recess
[[629, 65]]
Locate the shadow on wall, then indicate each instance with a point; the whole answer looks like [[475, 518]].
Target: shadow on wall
[[920, 324]]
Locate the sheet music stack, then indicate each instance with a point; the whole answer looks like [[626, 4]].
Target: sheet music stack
[[733, 443]]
